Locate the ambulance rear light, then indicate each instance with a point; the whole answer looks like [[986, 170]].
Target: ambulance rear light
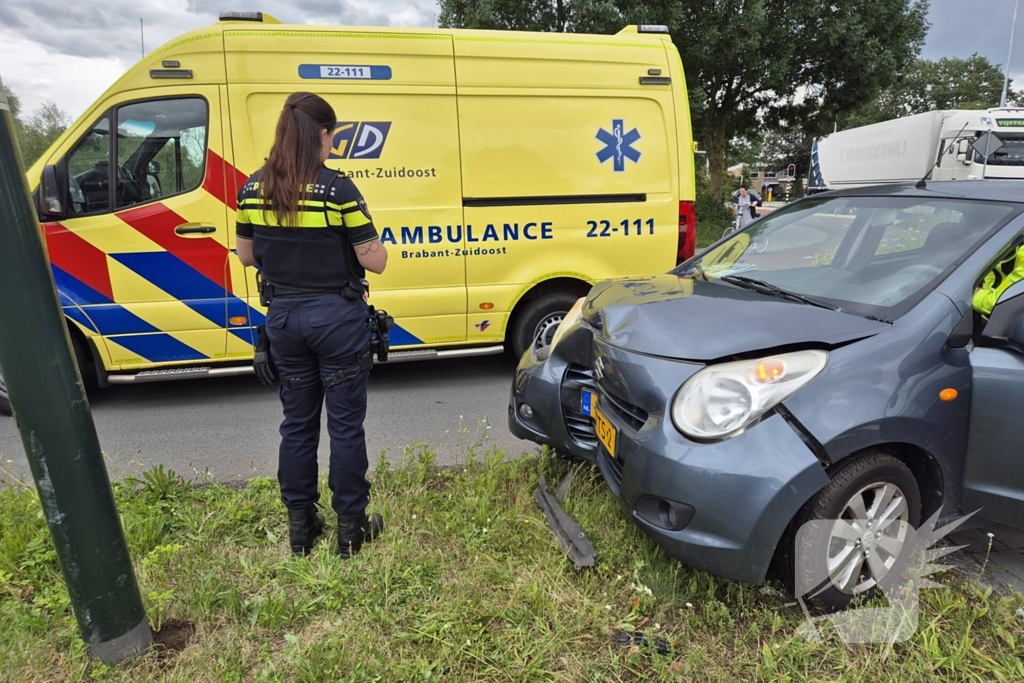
[[652, 28], [687, 232], [242, 16]]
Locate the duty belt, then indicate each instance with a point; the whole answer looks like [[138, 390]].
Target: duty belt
[[268, 292]]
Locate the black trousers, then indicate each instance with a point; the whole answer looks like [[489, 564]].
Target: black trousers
[[311, 338]]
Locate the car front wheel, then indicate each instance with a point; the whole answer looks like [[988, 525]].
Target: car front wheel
[[856, 534]]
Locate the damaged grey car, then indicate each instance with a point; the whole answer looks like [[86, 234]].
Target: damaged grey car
[[826, 363]]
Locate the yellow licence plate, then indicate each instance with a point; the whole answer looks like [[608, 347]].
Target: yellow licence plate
[[605, 431]]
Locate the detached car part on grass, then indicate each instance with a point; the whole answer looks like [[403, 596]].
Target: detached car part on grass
[[567, 531], [839, 373]]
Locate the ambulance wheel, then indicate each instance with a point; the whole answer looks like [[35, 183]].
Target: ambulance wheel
[[535, 325], [84, 368], [5, 400]]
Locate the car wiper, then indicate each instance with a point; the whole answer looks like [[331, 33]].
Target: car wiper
[[768, 288]]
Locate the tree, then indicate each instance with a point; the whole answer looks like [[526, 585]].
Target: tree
[[560, 16], [40, 131], [949, 83], [750, 64]]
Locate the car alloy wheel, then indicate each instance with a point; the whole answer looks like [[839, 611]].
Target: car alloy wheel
[[864, 542], [850, 540]]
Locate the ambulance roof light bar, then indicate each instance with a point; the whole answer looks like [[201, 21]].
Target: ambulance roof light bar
[[652, 28], [242, 16]]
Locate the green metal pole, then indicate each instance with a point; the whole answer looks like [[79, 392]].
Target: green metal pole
[[56, 427]]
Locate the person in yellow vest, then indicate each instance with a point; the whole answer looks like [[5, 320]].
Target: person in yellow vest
[[997, 281]]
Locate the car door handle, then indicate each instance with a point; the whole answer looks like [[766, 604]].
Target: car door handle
[[195, 229]]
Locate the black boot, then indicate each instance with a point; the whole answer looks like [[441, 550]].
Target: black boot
[[304, 526], [354, 530]]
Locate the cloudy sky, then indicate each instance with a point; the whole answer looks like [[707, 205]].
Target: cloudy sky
[[70, 51]]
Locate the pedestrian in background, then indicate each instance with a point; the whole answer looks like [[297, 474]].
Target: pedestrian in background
[[746, 200], [308, 230]]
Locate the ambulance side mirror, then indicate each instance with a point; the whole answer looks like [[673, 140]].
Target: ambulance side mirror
[[50, 205]]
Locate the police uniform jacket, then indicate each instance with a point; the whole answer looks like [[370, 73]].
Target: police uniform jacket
[[317, 252]]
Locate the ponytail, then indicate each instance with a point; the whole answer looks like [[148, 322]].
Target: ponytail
[[294, 160]]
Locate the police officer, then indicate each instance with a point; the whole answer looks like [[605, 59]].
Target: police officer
[[310, 234]]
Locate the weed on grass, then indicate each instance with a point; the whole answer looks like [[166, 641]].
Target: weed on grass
[[466, 584]]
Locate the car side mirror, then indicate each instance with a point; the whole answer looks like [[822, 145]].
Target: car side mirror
[[50, 206], [1005, 325]]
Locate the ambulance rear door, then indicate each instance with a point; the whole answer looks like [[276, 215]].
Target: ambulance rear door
[[569, 165]]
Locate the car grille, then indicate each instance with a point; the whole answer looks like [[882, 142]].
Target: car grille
[[579, 426], [626, 412], [612, 469], [579, 373]]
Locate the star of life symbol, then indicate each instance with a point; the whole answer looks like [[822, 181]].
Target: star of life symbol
[[901, 581], [618, 145]]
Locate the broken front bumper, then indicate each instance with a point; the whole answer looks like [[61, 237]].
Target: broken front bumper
[[721, 507]]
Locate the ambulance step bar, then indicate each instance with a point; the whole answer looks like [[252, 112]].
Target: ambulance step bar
[[236, 370]]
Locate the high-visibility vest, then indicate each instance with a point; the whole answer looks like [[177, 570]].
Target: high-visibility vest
[[997, 281]]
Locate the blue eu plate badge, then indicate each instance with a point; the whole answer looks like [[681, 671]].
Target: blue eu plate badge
[[587, 403]]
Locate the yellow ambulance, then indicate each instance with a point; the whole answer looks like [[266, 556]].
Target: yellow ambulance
[[506, 172]]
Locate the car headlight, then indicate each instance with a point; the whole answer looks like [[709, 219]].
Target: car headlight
[[570, 319], [721, 400]]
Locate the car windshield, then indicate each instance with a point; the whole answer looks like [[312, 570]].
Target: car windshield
[[872, 256]]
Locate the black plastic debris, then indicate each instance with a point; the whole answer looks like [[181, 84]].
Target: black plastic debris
[[625, 639], [563, 488], [566, 530]]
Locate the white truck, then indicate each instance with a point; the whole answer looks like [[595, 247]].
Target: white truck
[[906, 150]]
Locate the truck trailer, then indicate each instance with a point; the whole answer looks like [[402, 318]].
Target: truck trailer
[[940, 145]]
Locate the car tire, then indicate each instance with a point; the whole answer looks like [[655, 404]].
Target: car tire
[[539, 319], [854, 485]]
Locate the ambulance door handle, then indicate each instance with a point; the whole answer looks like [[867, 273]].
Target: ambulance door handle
[[195, 229]]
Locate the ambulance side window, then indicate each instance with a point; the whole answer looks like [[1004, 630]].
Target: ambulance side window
[[89, 173], [161, 149]]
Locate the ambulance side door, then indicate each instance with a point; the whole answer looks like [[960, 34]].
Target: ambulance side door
[[140, 255]]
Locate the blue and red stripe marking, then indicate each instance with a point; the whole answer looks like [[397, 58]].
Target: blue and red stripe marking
[[195, 272]]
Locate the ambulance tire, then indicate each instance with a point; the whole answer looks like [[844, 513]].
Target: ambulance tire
[[5, 400], [536, 323], [88, 378]]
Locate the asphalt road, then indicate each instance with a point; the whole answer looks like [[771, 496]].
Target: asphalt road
[[228, 427]]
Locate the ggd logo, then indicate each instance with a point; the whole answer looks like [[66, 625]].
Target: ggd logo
[[359, 140]]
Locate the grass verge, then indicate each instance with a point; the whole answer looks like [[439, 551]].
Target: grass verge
[[467, 584]]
